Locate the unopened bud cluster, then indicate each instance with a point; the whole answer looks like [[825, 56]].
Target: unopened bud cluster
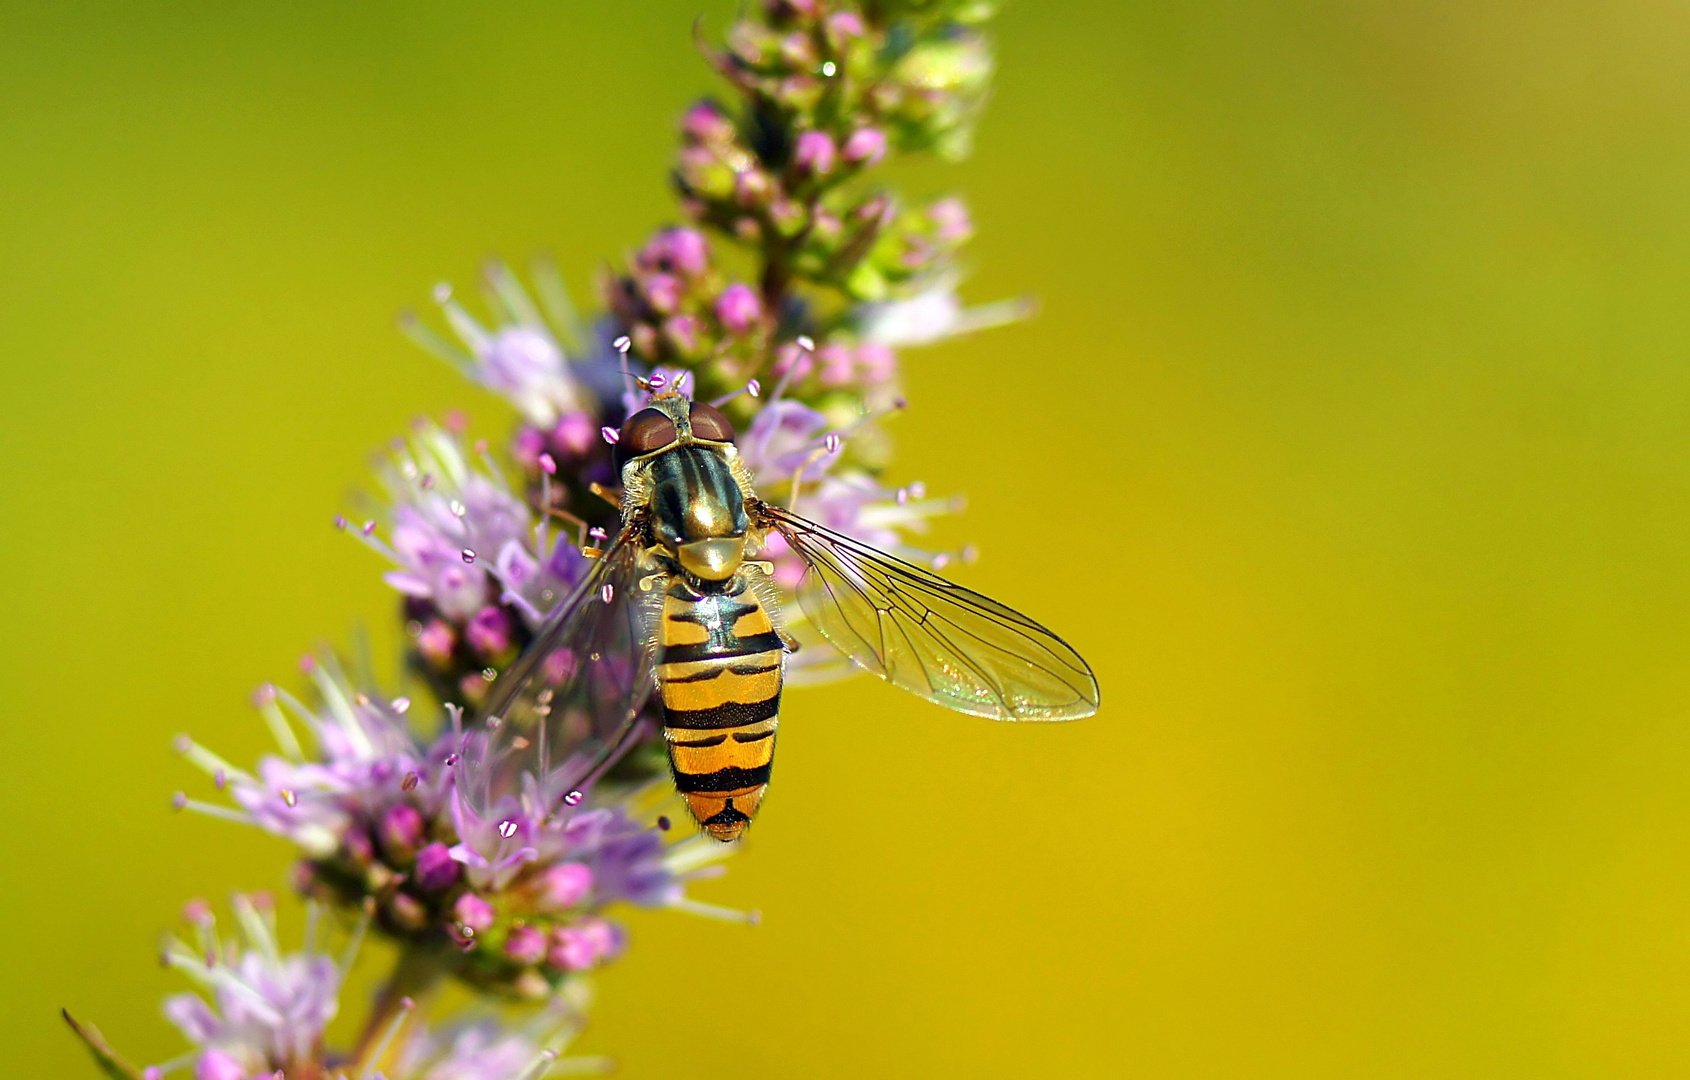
[[825, 92]]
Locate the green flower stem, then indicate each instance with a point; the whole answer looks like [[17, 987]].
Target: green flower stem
[[417, 974]]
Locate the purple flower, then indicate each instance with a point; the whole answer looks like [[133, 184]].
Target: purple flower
[[384, 826], [496, 1048], [462, 539], [785, 438], [265, 1010], [521, 357], [493, 847]]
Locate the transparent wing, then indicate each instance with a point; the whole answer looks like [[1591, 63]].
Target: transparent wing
[[920, 632], [570, 704]]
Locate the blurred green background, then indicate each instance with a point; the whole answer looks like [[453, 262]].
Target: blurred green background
[[1351, 445]]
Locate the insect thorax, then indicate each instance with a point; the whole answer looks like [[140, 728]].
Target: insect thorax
[[694, 506]]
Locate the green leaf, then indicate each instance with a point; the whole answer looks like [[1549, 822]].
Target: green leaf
[[108, 1061]]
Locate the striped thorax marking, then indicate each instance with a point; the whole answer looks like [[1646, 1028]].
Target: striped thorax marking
[[721, 681]]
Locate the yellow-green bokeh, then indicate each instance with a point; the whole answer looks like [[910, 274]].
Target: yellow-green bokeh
[[1350, 444]]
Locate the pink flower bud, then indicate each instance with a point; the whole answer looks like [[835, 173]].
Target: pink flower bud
[[814, 153], [951, 221], [846, 24], [866, 146], [688, 252], [583, 945], [878, 362], [526, 945], [527, 446], [435, 641], [703, 173], [706, 122], [739, 308], [197, 913], [603, 937], [571, 950], [575, 432], [798, 50], [752, 187], [565, 885], [359, 846], [875, 210], [216, 1065], [663, 293], [474, 912], [826, 228], [684, 332], [489, 631], [401, 829], [436, 869], [837, 365]]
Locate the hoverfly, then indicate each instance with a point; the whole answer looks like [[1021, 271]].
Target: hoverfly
[[674, 604]]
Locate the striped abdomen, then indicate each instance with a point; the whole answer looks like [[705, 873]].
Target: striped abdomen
[[721, 678]]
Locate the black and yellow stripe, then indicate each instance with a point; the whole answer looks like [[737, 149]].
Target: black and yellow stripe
[[721, 679]]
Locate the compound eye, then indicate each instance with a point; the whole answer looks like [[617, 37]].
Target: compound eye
[[646, 431], [707, 423]]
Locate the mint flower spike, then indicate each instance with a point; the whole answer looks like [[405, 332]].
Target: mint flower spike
[[796, 340], [513, 902], [266, 1010]]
